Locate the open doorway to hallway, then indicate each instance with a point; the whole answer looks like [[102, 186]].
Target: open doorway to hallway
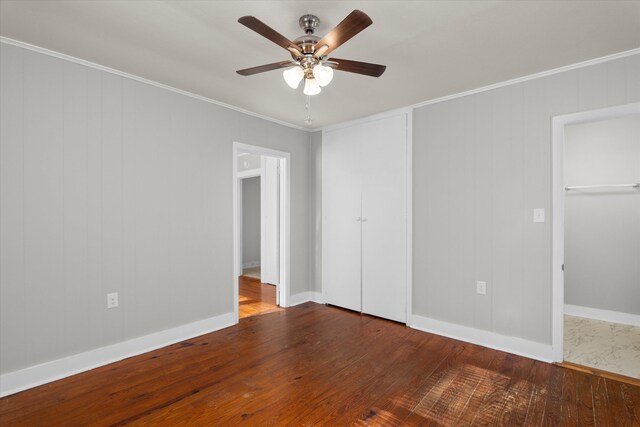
[[260, 229], [255, 296], [251, 229]]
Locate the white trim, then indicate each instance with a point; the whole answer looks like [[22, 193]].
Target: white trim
[[539, 75], [557, 239], [251, 264], [260, 151], [302, 297], [557, 210], [283, 288], [569, 67], [498, 85], [371, 118], [515, 345], [317, 297], [250, 173], [600, 314], [271, 232], [89, 64], [409, 217], [33, 376]]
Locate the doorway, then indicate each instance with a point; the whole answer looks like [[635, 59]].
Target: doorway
[[596, 241], [261, 229], [251, 227]]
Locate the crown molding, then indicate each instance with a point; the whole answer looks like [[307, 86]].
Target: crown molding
[[539, 75], [517, 80], [89, 64]]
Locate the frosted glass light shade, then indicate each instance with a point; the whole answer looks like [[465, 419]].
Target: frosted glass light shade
[[311, 87], [293, 76], [323, 74]]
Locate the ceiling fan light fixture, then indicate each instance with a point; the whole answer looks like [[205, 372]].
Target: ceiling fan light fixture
[[293, 76], [311, 87], [323, 74]]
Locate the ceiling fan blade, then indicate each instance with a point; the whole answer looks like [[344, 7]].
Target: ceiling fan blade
[[373, 70], [355, 22], [266, 67], [266, 31]]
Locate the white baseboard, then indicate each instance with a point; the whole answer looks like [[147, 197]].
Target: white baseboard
[[302, 297], [317, 297], [515, 345], [599, 314], [251, 264], [33, 376]]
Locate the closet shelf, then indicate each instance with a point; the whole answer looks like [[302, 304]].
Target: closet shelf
[[590, 187]]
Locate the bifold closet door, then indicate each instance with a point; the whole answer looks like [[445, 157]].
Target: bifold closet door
[[341, 193], [384, 218]]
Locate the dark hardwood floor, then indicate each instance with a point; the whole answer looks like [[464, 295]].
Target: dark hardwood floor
[[256, 297], [314, 364]]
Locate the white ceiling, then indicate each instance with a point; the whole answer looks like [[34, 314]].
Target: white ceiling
[[431, 48]]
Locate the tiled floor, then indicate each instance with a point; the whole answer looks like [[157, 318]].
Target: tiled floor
[[607, 346]]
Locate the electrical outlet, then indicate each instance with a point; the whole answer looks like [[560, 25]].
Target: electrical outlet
[[112, 300], [481, 288]]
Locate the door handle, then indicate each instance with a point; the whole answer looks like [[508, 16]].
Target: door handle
[[364, 219], [358, 219]]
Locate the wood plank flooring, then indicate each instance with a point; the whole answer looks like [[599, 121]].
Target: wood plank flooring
[[320, 365], [255, 297]]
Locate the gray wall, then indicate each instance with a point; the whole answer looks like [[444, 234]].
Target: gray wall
[[315, 190], [112, 185], [249, 161], [481, 164], [251, 220], [602, 228]]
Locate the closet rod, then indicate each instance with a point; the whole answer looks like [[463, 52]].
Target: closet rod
[[588, 187]]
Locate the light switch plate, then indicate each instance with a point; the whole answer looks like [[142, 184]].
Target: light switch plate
[[538, 215], [481, 288]]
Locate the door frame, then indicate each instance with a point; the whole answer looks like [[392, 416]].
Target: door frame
[[283, 288], [558, 124]]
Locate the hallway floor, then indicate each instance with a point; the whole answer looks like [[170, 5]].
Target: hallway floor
[[256, 297], [610, 347], [253, 272]]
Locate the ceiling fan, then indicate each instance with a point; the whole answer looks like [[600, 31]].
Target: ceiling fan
[[309, 52]]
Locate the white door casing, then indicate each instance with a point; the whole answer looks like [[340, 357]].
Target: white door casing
[[558, 125], [284, 160], [269, 222]]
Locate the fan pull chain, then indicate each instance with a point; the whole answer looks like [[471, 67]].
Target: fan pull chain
[[307, 106]]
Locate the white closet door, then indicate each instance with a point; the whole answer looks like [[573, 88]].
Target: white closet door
[[269, 222], [341, 256], [384, 216]]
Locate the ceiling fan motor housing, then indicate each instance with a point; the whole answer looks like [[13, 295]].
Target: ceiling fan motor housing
[[309, 23]]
